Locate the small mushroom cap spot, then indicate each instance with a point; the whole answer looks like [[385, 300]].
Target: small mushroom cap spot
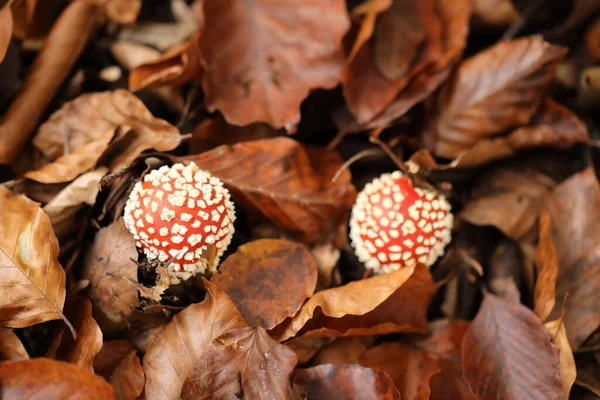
[[168, 222], [394, 225]]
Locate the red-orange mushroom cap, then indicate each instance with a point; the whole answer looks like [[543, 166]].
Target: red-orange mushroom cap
[[395, 225], [178, 212]]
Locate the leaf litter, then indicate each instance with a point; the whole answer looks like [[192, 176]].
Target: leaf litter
[[490, 103]]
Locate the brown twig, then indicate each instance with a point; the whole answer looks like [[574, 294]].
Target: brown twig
[[353, 159], [63, 46]]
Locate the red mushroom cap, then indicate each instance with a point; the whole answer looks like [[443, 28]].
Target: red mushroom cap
[[394, 225], [178, 212]]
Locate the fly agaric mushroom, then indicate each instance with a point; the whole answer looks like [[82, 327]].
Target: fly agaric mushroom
[[177, 213], [395, 225]]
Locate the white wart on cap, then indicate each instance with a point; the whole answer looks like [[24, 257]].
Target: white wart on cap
[[178, 212], [394, 225]]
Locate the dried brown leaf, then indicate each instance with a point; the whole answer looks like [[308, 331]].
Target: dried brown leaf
[[33, 282], [70, 166], [497, 89], [11, 348], [495, 13], [110, 356], [507, 353], [90, 116], [568, 370], [182, 343], [449, 383], [345, 382], [369, 10], [6, 30], [344, 350], [45, 379], [395, 302], [287, 183], [179, 65], [306, 348], [242, 363], [82, 350], [545, 286], [574, 207], [128, 378], [62, 47], [263, 57], [123, 11], [509, 199], [410, 368], [268, 280], [592, 41], [107, 262]]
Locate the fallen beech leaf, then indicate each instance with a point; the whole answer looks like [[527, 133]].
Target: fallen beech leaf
[[182, 343], [44, 379], [80, 351], [507, 353], [326, 256], [6, 29], [62, 47], [70, 166], [592, 41], [64, 208], [394, 302], [509, 199], [90, 116], [287, 183], [110, 257], [33, 280], [574, 207], [368, 89], [497, 13], [410, 368], [344, 350], [123, 11], [242, 363], [449, 383], [263, 57], [568, 370], [369, 10], [181, 64], [497, 89], [306, 348], [346, 382], [214, 132], [110, 356], [454, 19], [11, 348], [128, 378], [268, 280], [545, 286]]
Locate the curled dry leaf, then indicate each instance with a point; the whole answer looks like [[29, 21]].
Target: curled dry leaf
[[82, 350], [110, 355], [285, 182], [33, 280], [507, 353], [495, 13], [410, 368], [64, 208], [123, 11], [182, 343], [44, 379], [395, 302], [306, 348], [574, 208], [497, 89], [6, 29], [346, 382], [268, 280], [592, 41], [90, 116], [568, 370], [106, 264], [242, 363], [263, 57], [545, 286], [70, 166], [368, 10], [11, 348], [128, 378], [181, 64], [509, 199], [343, 350], [62, 47]]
